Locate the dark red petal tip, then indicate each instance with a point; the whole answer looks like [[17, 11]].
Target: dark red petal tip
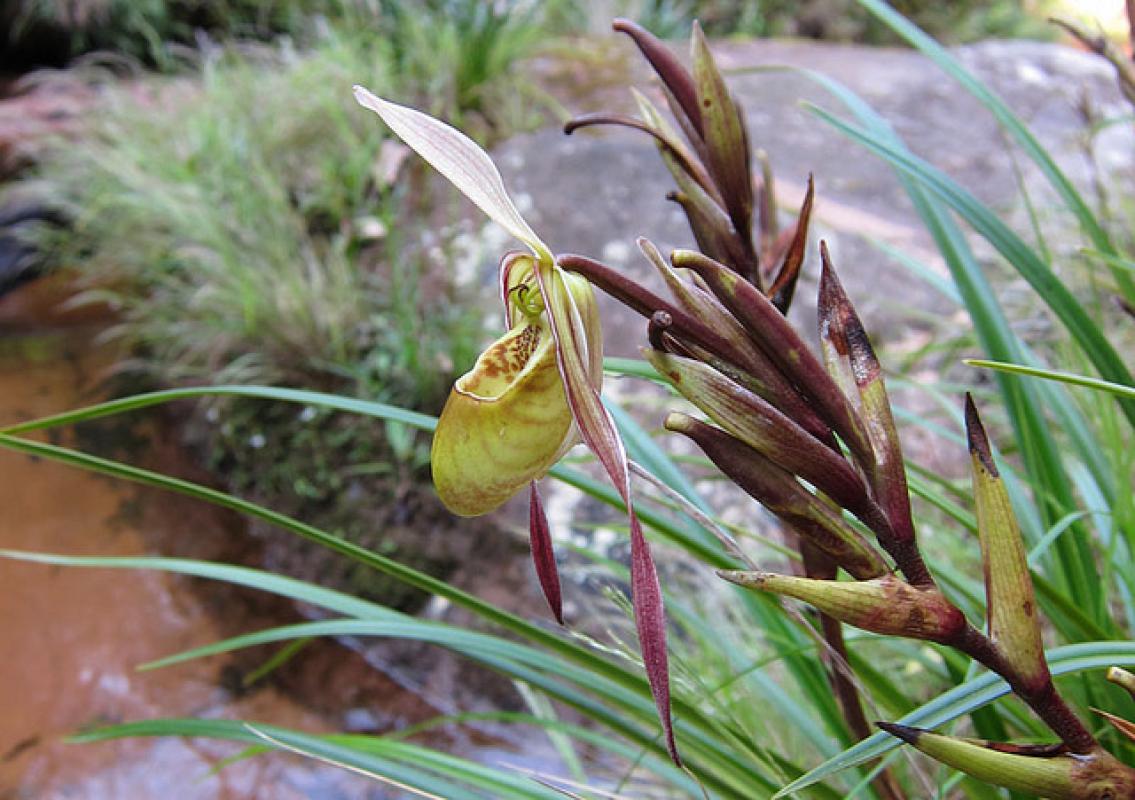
[[977, 438], [543, 557], [905, 732], [650, 621]]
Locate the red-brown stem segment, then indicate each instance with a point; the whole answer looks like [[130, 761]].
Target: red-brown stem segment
[[1045, 701]]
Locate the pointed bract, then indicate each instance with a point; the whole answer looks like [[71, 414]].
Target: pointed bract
[[847, 347], [1093, 776], [726, 141], [1009, 596], [780, 342], [1125, 727], [784, 284], [650, 624]]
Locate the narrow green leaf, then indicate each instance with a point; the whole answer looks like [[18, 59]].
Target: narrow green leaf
[[699, 733], [633, 367], [401, 771], [1083, 329], [1010, 122], [1055, 375], [1027, 406], [302, 396], [964, 699]]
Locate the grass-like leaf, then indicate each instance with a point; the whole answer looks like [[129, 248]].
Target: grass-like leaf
[[1010, 122], [1080, 325], [965, 699], [718, 763], [402, 764], [1055, 375]]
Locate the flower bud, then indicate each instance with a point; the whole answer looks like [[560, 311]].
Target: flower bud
[[726, 140], [773, 432], [780, 342], [886, 605], [1094, 776], [780, 492]]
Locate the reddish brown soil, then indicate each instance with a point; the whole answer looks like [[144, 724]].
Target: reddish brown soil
[[74, 637]]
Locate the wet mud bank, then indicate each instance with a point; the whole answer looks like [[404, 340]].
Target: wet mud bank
[[75, 637]]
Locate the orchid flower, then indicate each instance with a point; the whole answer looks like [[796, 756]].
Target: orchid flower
[[532, 391]]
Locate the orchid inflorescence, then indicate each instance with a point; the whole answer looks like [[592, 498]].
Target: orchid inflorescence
[[811, 438]]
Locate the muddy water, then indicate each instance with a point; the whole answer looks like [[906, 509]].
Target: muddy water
[[73, 637]]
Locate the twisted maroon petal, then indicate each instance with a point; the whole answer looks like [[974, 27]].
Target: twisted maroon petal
[[543, 557]]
